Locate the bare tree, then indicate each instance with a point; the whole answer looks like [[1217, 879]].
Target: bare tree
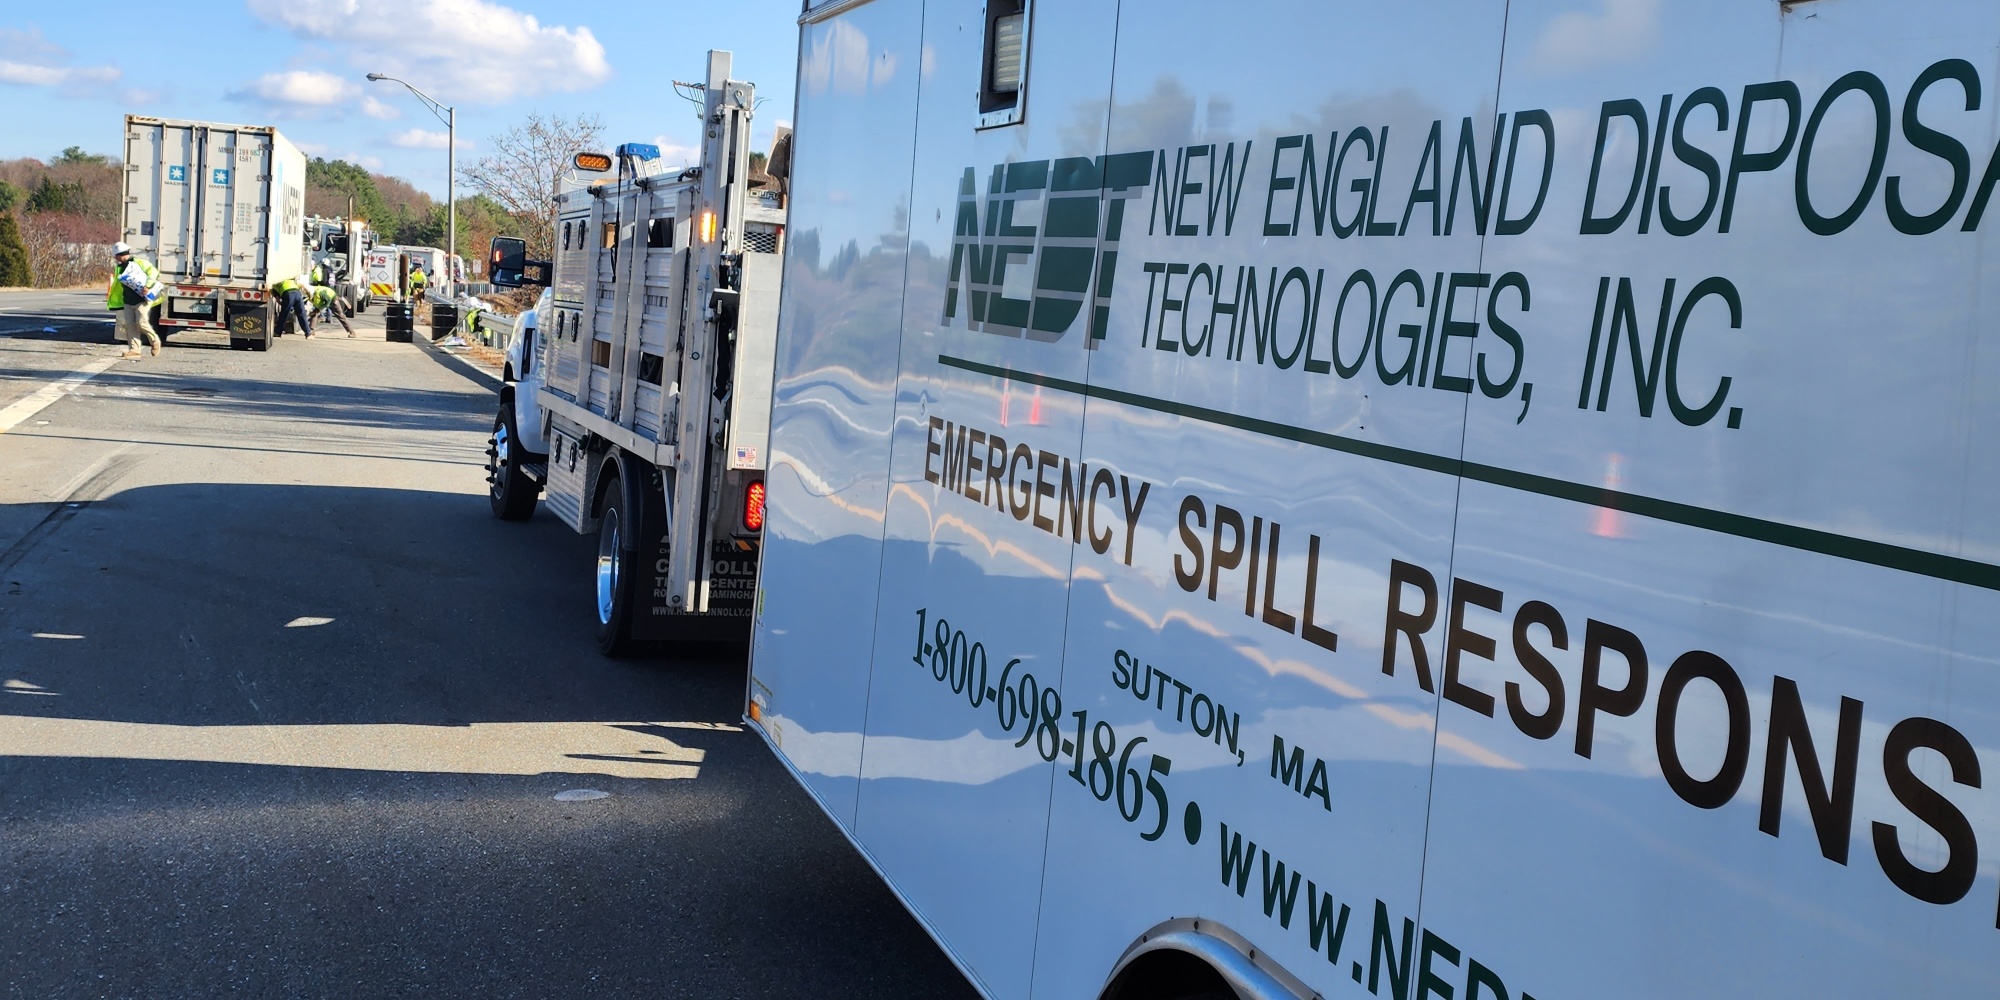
[[525, 166], [68, 249]]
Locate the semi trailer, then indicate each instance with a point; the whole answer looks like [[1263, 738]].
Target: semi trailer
[[220, 209]]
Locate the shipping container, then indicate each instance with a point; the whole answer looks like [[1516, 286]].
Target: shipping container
[[220, 209]]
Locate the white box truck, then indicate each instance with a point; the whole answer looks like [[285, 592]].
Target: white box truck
[[1452, 500], [387, 270], [641, 410], [220, 209]]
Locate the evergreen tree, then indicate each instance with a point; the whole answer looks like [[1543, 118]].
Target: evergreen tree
[[75, 154], [349, 180], [14, 269], [54, 196]]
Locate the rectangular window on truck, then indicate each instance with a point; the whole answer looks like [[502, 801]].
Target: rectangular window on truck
[[1003, 78]]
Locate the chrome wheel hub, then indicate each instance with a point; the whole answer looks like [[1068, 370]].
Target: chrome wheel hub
[[607, 565]]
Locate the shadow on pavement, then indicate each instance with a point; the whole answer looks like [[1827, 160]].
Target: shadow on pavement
[[295, 740], [240, 396], [435, 613]]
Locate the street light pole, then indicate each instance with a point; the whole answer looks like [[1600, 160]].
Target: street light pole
[[448, 115], [451, 199]]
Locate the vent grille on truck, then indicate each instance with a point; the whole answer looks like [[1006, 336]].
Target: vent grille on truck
[[760, 237]]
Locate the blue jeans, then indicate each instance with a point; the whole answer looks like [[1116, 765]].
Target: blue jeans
[[294, 304]]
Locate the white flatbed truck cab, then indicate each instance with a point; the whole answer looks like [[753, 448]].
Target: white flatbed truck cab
[[1435, 501], [642, 407]]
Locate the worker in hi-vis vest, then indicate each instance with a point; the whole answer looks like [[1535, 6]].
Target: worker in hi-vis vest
[[292, 302], [135, 286], [418, 280], [325, 303]]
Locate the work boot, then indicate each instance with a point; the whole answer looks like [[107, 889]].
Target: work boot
[[156, 350], [129, 354]]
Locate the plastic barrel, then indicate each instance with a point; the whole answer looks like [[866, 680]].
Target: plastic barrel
[[401, 323], [444, 320]]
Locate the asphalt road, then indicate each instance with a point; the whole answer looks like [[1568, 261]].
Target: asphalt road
[[284, 712]]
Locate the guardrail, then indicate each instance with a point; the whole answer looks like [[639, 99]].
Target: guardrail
[[496, 331]]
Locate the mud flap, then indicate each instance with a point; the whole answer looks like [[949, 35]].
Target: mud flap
[[732, 588], [249, 324]]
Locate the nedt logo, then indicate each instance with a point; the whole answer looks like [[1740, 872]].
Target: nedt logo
[[1040, 244]]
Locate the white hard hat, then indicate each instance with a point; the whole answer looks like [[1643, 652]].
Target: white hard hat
[[120, 249]]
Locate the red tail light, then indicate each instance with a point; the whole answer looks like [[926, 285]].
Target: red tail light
[[753, 507]]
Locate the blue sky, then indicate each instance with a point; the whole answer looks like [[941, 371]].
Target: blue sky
[[68, 74]]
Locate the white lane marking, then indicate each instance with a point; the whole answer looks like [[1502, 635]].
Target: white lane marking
[[581, 795], [36, 401], [611, 749]]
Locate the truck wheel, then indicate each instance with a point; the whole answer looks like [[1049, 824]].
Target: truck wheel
[[511, 490], [614, 575]]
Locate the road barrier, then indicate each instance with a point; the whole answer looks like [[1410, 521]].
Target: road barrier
[[401, 322], [496, 330], [444, 320]]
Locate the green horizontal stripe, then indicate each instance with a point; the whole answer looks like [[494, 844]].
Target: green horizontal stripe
[[1897, 557]]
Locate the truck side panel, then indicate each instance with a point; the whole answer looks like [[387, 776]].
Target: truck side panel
[[1852, 395], [980, 885], [833, 405], [284, 233], [1213, 678], [1531, 596]]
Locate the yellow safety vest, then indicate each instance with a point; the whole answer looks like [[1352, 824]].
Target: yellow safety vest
[[114, 298], [285, 286], [322, 296]]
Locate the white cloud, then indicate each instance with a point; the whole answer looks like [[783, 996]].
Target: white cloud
[[677, 154], [29, 59], [1577, 40], [378, 110], [301, 90], [358, 159], [455, 50], [417, 138], [30, 45]]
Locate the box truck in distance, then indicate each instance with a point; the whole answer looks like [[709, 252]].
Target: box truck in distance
[[220, 209], [1442, 501]]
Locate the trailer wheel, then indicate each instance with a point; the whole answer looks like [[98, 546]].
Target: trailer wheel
[[511, 490], [614, 574]]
